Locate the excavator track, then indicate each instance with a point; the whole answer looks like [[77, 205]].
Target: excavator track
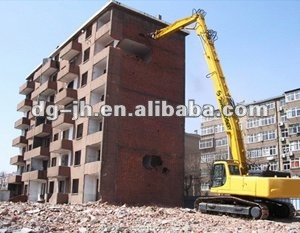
[[280, 209], [232, 205], [245, 206]]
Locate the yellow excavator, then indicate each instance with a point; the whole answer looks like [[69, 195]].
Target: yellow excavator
[[235, 188]]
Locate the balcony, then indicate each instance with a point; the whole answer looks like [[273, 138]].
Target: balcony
[[14, 179], [20, 141], [100, 56], [94, 138], [97, 107], [64, 121], [104, 29], [66, 96], [58, 171], [47, 88], [41, 130], [92, 168], [34, 175], [48, 68], [24, 105], [22, 123], [61, 146], [44, 105], [68, 72], [37, 153], [26, 88], [17, 160], [70, 50]]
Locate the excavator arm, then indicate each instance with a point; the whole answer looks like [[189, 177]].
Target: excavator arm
[[223, 96]]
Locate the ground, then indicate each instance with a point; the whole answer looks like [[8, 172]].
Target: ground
[[102, 217]]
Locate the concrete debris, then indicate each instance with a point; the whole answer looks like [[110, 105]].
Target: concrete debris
[[101, 217]]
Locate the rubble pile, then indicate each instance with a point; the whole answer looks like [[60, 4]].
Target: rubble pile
[[102, 217]]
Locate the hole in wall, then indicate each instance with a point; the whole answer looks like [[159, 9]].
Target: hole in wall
[[136, 49], [152, 161]]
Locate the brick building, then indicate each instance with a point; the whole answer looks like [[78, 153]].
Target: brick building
[[108, 60], [272, 140]]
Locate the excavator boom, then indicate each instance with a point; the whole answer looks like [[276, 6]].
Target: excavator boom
[[222, 94]]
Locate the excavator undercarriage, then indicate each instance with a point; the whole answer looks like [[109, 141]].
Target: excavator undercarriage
[[256, 208]]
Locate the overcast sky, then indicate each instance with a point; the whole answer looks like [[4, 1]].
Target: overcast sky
[[258, 47]]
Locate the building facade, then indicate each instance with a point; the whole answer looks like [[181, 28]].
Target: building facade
[[272, 140], [107, 61]]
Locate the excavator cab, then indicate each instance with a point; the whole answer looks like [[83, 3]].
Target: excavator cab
[[221, 170]]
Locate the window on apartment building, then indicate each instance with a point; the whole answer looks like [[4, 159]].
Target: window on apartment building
[[273, 166], [294, 112], [79, 131], [294, 129], [51, 187], [98, 155], [285, 148], [286, 165], [292, 96], [270, 150], [61, 186], [252, 123], [25, 189], [254, 153], [295, 163], [206, 144], [269, 135], [219, 128], [28, 167], [82, 100], [252, 138], [53, 162], [84, 79], [295, 145], [77, 158], [282, 102], [284, 133], [283, 117], [88, 32], [86, 55], [55, 137], [100, 126], [267, 120], [71, 85], [221, 142], [207, 130], [75, 185], [66, 134], [65, 160], [270, 105]]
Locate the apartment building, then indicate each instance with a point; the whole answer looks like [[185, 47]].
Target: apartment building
[[107, 61], [272, 140]]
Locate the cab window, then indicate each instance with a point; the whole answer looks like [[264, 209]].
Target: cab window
[[219, 175], [234, 169]]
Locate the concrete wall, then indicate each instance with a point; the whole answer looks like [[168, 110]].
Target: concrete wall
[[90, 185], [4, 195]]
